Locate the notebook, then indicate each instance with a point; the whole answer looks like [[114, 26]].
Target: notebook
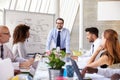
[[76, 69]]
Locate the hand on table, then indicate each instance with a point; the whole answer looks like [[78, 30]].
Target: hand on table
[[26, 64], [89, 70], [16, 72], [48, 53]]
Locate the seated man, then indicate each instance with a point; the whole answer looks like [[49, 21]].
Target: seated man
[[93, 37], [108, 72], [6, 52]]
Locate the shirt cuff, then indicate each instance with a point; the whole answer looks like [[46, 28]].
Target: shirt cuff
[[16, 65], [100, 71]]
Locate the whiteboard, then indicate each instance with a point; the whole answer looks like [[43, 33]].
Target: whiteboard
[[40, 25], [1, 17]]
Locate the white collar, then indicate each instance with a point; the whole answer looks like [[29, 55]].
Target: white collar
[[96, 41], [59, 30]]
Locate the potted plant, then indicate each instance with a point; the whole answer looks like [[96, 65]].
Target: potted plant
[[56, 63]]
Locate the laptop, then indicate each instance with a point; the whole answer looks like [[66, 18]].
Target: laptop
[[76, 69]]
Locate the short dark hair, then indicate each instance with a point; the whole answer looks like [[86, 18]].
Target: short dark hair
[[60, 19], [92, 30]]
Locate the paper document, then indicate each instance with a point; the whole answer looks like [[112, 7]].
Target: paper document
[[96, 77], [6, 69]]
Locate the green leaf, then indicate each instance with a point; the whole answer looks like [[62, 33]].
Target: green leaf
[[55, 61]]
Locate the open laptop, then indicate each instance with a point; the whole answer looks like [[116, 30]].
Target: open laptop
[[76, 69]]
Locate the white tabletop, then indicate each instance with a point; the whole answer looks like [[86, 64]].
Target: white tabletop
[[43, 74], [42, 71]]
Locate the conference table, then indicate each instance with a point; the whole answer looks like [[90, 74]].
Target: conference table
[[42, 73]]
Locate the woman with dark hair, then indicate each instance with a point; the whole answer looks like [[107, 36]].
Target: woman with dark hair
[[110, 50], [21, 33]]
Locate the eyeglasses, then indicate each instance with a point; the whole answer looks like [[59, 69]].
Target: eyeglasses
[[6, 33], [59, 23]]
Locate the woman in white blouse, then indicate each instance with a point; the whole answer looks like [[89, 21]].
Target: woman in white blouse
[[21, 33]]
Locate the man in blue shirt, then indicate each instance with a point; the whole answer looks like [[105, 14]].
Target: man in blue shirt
[[63, 41]]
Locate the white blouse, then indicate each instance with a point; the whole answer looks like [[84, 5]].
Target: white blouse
[[19, 51], [108, 72]]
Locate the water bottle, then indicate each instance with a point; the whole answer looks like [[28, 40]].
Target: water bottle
[[69, 68]]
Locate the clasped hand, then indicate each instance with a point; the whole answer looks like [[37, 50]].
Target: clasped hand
[[26, 64]]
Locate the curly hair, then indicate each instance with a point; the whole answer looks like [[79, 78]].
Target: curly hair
[[20, 33]]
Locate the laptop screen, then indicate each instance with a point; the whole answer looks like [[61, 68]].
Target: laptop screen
[[76, 69]]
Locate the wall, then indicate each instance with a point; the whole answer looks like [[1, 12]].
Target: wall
[[90, 19]]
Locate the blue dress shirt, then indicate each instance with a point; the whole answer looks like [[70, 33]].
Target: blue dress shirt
[[64, 36]]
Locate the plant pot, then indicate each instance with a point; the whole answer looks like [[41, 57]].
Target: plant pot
[[53, 73]]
